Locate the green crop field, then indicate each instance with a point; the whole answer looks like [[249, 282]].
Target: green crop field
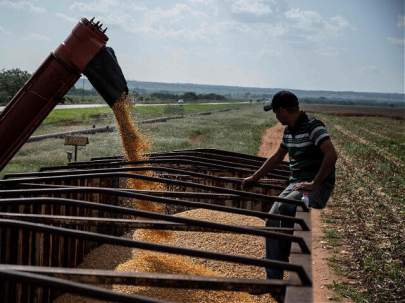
[[66, 119], [239, 130]]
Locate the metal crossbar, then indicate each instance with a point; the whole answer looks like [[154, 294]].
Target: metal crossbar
[[49, 220]]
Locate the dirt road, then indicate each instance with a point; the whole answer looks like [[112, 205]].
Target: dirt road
[[271, 140]]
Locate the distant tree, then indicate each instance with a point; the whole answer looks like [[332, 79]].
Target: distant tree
[[164, 96], [211, 96], [11, 81], [81, 92], [189, 96]]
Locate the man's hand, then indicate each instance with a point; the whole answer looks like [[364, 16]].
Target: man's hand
[[305, 186], [267, 166], [247, 182]]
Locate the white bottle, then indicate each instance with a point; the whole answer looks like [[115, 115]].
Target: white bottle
[[305, 198]]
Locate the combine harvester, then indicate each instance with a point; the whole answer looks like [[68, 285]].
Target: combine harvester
[[51, 219]]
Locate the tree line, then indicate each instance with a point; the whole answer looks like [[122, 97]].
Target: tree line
[[187, 96], [11, 81]]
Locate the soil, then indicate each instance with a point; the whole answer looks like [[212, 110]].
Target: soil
[[271, 140], [356, 111], [196, 139], [322, 275]]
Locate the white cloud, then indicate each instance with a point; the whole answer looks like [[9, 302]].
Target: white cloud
[[101, 6], [311, 21], [267, 53], [66, 17], [37, 37], [213, 21], [328, 51], [401, 21], [305, 20], [106, 6], [256, 11], [396, 41], [192, 20], [200, 2], [179, 10], [178, 21], [371, 69], [311, 26], [22, 5], [3, 31], [255, 7], [339, 24]]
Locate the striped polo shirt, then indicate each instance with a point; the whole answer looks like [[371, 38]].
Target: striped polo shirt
[[302, 143]]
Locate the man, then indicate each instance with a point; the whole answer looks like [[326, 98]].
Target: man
[[312, 163]]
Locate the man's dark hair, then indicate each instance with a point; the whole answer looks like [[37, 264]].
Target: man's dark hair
[[284, 99]]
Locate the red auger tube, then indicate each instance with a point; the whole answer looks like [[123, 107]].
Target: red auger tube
[[50, 82]]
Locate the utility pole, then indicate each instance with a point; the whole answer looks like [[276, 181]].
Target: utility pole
[[82, 88]]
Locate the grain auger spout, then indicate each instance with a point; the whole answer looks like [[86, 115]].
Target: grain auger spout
[[105, 74], [83, 51]]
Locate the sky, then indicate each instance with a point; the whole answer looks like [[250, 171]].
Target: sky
[[342, 45]]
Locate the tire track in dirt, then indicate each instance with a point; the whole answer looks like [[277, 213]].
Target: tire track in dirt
[[380, 151], [381, 136], [196, 139], [271, 140], [322, 276]]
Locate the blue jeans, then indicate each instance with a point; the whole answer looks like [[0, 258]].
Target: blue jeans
[[277, 249]]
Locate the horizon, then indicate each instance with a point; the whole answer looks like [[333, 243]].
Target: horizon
[[341, 46], [258, 87], [280, 88]]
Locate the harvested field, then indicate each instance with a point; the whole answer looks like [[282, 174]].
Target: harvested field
[[380, 151], [364, 222], [374, 134], [357, 111]]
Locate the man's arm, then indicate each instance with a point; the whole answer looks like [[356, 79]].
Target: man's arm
[[328, 162], [267, 166]]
